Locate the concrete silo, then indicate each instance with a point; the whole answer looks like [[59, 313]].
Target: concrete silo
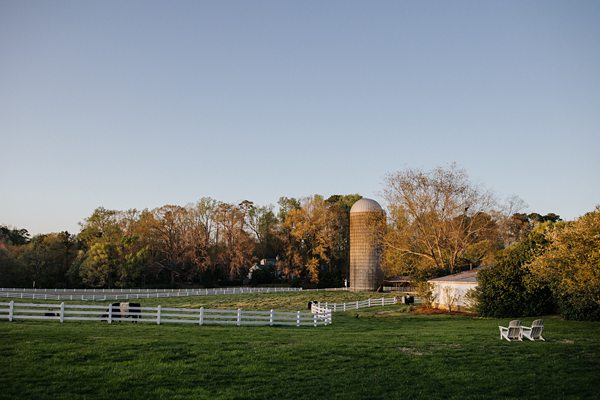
[[366, 218]]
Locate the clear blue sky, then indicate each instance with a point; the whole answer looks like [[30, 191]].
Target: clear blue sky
[[137, 104]]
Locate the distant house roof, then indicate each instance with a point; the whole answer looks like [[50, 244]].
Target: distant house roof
[[462, 277]]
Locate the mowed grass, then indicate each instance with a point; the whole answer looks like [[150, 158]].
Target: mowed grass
[[291, 301], [379, 353]]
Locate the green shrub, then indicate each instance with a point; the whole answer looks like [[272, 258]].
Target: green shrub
[[471, 300], [424, 291], [581, 305], [571, 266], [509, 288]]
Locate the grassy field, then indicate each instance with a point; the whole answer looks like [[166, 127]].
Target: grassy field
[[379, 353]]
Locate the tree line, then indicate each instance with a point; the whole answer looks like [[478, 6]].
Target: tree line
[[208, 243], [437, 222]]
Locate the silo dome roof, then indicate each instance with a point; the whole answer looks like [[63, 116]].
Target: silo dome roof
[[366, 205]]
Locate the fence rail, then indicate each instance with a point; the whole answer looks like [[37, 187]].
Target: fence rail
[[129, 294], [354, 305], [158, 315]]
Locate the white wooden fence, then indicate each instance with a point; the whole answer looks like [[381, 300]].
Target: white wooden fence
[[355, 305], [157, 315], [129, 294]]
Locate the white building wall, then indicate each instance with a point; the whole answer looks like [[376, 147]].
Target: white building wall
[[453, 292]]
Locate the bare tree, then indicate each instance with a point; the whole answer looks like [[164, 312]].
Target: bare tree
[[169, 230], [436, 219], [450, 297], [236, 246]]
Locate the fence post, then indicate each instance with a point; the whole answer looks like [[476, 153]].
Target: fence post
[[298, 318], [344, 306], [110, 313], [158, 315], [271, 318], [382, 302], [239, 316], [357, 304], [62, 312], [315, 319], [11, 310], [369, 302], [201, 315]]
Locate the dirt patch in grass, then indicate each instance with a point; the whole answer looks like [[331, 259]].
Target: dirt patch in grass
[[411, 351], [424, 310], [566, 341]]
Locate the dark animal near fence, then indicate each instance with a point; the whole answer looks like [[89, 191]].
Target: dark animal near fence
[[134, 310], [113, 309]]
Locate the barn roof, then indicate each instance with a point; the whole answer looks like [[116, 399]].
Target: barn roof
[[462, 277]]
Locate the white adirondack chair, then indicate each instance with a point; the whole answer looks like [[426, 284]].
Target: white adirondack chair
[[535, 331], [512, 332]]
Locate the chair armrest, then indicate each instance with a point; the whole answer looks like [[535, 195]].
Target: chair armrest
[[526, 328]]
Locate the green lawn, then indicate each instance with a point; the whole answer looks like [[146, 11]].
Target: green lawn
[[292, 301], [380, 353]]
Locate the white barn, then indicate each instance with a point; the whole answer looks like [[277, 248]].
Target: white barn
[[449, 291]]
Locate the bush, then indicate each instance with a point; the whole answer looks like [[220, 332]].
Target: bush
[[582, 305], [471, 300], [571, 267], [510, 289], [424, 291]]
